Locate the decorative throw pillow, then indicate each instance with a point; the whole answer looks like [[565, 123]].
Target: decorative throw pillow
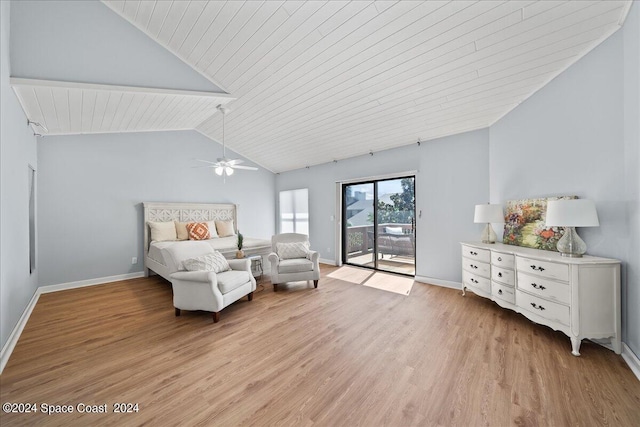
[[214, 261], [198, 231], [225, 228], [393, 230], [292, 250], [162, 231], [181, 230], [212, 229]]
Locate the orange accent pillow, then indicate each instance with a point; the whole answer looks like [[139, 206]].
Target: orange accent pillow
[[198, 231]]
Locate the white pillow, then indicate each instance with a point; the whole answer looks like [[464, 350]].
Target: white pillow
[[213, 233], [162, 231], [214, 261], [225, 228], [292, 250], [181, 230], [393, 230]]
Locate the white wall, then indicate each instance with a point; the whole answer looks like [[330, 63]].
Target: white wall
[[17, 152], [85, 41], [569, 139], [631, 40], [452, 177], [92, 186]]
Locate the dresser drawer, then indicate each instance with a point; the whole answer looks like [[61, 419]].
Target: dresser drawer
[[557, 291], [503, 292], [470, 252], [475, 267], [503, 260], [476, 281], [546, 269], [544, 308], [502, 275]]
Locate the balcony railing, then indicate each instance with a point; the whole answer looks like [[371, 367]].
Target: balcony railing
[[360, 240]]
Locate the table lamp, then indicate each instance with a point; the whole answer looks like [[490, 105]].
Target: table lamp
[[571, 213], [487, 214]]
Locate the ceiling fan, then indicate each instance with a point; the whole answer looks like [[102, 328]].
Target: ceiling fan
[[223, 166]]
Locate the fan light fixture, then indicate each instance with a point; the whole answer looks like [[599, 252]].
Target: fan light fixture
[[224, 167]]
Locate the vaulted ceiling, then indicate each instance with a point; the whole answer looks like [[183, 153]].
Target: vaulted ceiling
[[318, 81], [68, 108]]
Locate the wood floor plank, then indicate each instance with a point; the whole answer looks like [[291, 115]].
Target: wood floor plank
[[340, 355]]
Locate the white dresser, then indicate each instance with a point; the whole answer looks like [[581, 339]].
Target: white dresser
[[578, 296]]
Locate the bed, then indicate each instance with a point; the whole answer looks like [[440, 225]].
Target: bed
[[164, 258]]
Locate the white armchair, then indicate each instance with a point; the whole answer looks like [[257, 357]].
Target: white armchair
[[291, 265], [209, 291]]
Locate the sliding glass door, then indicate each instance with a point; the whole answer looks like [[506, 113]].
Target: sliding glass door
[[359, 219], [379, 224]]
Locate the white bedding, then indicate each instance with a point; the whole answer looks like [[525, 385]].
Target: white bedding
[[172, 253]]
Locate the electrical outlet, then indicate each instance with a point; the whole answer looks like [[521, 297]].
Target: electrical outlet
[[134, 260], [328, 249]]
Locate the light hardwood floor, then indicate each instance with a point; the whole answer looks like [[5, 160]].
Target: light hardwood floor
[[340, 355]]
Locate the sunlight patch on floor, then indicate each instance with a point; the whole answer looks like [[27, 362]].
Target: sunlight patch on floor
[[391, 283], [351, 274], [377, 280]]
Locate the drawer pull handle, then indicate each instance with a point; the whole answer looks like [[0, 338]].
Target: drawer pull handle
[[473, 266], [499, 291], [474, 281], [473, 253], [499, 274], [536, 306], [534, 267], [535, 285], [499, 258]]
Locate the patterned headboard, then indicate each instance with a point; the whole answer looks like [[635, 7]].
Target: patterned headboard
[[185, 212]]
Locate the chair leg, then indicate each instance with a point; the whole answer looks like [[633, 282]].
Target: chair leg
[[250, 296], [216, 316], [275, 287], [315, 283], [177, 312]]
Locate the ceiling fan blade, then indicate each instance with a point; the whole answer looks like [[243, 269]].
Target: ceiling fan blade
[[206, 161], [235, 162], [249, 168]]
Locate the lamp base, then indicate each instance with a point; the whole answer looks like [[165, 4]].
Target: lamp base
[[571, 255], [570, 244], [488, 235]]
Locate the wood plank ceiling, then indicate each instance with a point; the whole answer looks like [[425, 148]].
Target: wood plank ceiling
[[317, 81], [66, 108]]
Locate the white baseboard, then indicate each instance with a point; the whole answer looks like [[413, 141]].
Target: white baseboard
[[327, 261], [89, 282], [439, 282], [632, 360], [8, 347]]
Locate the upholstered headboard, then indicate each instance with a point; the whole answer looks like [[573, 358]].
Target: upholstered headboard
[[185, 212]]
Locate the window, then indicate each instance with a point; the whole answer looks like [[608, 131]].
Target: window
[[294, 211]]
